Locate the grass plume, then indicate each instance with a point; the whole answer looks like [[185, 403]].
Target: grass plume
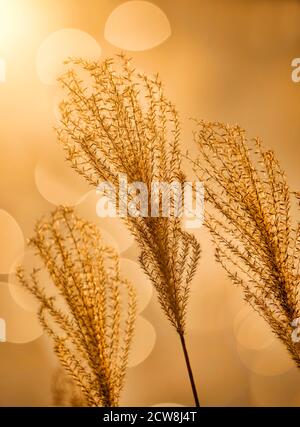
[[121, 122], [90, 331], [249, 216]]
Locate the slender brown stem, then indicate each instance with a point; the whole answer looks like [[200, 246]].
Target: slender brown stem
[[189, 368]]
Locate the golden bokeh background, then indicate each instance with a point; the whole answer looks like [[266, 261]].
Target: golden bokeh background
[[227, 61]]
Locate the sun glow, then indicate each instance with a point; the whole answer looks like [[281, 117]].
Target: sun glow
[[9, 18], [14, 23]]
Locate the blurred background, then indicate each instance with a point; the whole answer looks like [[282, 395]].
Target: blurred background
[[226, 61]]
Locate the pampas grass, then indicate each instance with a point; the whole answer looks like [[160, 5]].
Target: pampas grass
[[90, 331], [121, 122], [249, 216]]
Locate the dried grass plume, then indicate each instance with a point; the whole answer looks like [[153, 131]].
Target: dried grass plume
[[116, 121], [249, 216], [90, 329]]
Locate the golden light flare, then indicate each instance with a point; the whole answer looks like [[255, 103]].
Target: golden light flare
[[251, 330], [213, 309], [58, 47], [137, 26], [21, 325], [12, 235], [213, 301], [143, 342]]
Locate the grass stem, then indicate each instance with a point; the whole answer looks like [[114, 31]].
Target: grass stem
[[189, 368]]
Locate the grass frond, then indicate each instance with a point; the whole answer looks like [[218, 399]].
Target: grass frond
[[87, 317], [248, 213]]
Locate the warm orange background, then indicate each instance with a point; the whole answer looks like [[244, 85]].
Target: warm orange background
[[224, 60]]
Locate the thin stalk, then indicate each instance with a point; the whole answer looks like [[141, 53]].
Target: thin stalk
[[189, 368]]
